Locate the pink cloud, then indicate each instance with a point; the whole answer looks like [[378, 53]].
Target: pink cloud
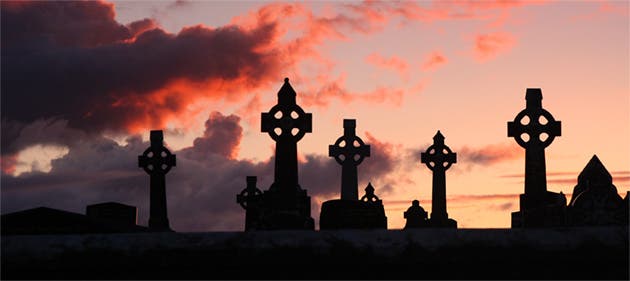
[[490, 45], [434, 60], [392, 63]]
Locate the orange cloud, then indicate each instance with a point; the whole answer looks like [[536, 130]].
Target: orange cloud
[[394, 63], [487, 155], [490, 45], [321, 93], [434, 61], [8, 163]]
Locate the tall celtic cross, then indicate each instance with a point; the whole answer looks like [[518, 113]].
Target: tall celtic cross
[[534, 128], [156, 161], [286, 123], [438, 158], [349, 151]]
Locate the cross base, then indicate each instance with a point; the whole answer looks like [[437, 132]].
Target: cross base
[[442, 223], [285, 210], [352, 214], [549, 212]]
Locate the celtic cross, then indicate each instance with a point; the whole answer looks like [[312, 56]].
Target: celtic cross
[[438, 158], [286, 123], [534, 128], [156, 161], [249, 199], [349, 151]]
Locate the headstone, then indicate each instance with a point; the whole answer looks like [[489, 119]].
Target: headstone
[[534, 128], [349, 212], [249, 199], [595, 201], [156, 161], [112, 212], [349, 151], [438, 159], [416, 216], [285, 205]]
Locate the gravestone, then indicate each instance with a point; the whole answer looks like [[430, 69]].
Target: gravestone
[[249, 199], [348, 212], [157, 161], [112, 212], [534, 128], [285, 205], [595, 201], [438, 159], [416, 216]]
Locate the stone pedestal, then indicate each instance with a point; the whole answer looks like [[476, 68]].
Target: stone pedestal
[[352, 214]]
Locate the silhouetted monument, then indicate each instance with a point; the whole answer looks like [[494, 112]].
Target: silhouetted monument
[[100, 218], [349, 151], [595, 200], [285, 205], [534, 128], [156, 161], [416, 216], [349, 212], [113, 212], [249, 199], [438, 159]]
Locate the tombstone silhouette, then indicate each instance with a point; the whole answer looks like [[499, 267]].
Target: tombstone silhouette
[[250, 199], [349, 151], [438, 159], [595, 201], [156, 161], [285, 205], [416, 216], [534, 128]]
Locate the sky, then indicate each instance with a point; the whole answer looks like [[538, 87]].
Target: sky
[[83, 83]]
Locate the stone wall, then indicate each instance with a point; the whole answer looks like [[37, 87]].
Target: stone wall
[[564, 253]]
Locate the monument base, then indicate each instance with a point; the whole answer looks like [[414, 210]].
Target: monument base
[[352, 214], [443, 223], [286, 210], [550, 214]]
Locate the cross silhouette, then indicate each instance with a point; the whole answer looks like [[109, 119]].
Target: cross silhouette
[[534, 126], [369, 196], [156, 161], [249, 194], [251, 199], [286, 119], [349, 151], [438, 158]]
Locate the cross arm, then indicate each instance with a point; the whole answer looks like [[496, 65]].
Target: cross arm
[[512, 129], [334, 151], [307, 123], [266, 122], [142, 161], [555, 128]]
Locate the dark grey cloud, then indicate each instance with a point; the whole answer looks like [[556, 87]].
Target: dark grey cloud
[[201, 189], [72, 61]]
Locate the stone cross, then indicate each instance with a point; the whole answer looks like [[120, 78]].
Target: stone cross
[[286, 123], [438, 158], [249, 199], [156, 161], [349, 151], [534, 128], [369, 196]]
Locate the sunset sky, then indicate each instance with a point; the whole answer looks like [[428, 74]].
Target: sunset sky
[[84, 82]]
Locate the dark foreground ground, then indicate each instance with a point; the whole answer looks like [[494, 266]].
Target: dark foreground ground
[[568, 253]]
